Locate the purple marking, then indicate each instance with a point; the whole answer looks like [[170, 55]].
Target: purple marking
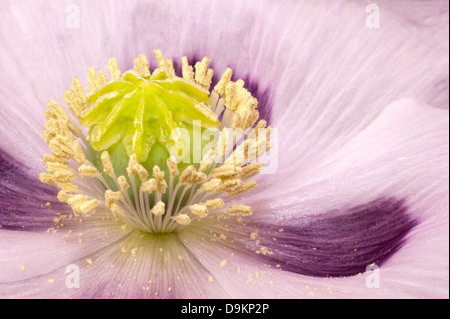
[[338, 243], [23, 198]]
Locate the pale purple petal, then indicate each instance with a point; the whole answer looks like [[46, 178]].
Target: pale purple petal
[[135, 266], [29, 254], [321, 83], [321, 76], [383, 198]]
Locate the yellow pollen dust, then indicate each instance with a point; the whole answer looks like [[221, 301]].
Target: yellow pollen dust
[[164, 198]]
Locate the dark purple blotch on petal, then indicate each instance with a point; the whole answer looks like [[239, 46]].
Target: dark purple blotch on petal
[[340, 242], [23, 198]]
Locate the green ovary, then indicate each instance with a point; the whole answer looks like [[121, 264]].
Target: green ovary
[[148, 116]]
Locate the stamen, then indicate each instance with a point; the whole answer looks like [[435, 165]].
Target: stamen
[[149, 186], [224, 80], [183, 219], [53, 167], [64, 197], [214, 204], [243, 188], [212, 185], [95, 80], [172, 165], [191, 176], [117, 212], [159, 208], [161, 184], [87, 171], [199, 210], [68, 187], [107, 165], [53, 159], [251, 170], [132, 168], [187, 70], [169, 68], [75, 98], [81, 166], [63, 176], [75, 203], [88, 206], [113, 68], [203, 75], [123, 183], [61, 146], [141, 66], [159, 58], [46, 178], [227, 171], [78, 154], [207, 160], [112, 197], [239, 210]]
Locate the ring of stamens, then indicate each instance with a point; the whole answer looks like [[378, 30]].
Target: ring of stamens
[[190, 194]]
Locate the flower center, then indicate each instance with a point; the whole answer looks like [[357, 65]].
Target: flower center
[[142, 122]]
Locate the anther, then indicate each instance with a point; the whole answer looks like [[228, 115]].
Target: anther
[[53, 167], [123, 184], [63, 176], [161, 184], [212, 186], [78, 154], [159, 209], [172, 165], [214, 204], [187, 70], [229, 185], [250, 170], [107, 164], [117, 212], [46, 178], [159, 58], [53, 159], [207, 160], [141, 66], [132, 168], [224, 80], [75, 98], [61, 146], [239, 210], [75, 203], [191, 176], [68, 187], [113, 68], [243, 188], [95, 80], [63, 196], [149, 186], [88, 206], [112, 197], [168, 67], [199, 210], [183, 219], [87, 170], [203, 75], [226, 171], [142, 172]]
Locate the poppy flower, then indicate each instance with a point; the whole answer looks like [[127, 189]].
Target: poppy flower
[[354, 205]]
